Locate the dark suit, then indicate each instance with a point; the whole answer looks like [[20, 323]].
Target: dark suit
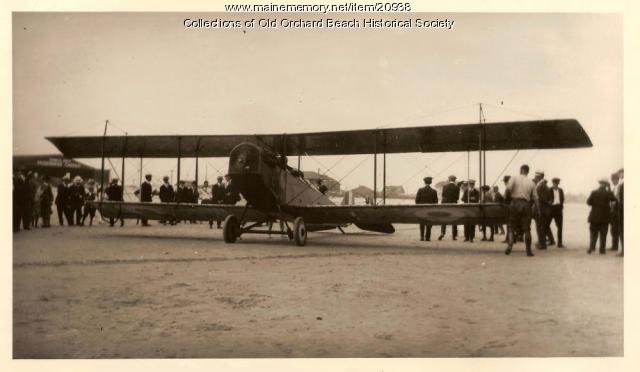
[[114, 193], [599, 217], [232, 194], [76, 201], [146, 196], [61, 202], [621, 214], [470, 196], [45, 205], [426, 195], [20, 196], [557, 214], [450, 194], [218, 196], [543, 215], [166, 194]]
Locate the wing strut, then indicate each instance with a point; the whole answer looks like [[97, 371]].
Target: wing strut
[[104, 137]]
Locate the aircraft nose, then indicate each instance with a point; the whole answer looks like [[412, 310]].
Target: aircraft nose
[[244, 159]]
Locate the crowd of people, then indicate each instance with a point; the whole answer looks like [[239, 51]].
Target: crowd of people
[[532, 199], [528, 199], [33, 198]]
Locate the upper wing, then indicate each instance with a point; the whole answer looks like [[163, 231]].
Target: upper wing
[[538, 134], [435, 214]]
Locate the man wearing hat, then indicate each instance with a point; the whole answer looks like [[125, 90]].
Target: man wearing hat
[[114, 193], [600, 215], [146, 195], [90, 195], [166, 193], [20, 195], [450, 194], [520, 190], [470, 195], [218, 195], [426, 195], [557, 206], [76, 201], [542, 209], [61, 199]]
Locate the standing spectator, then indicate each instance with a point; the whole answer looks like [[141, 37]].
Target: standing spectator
[[76, 200], [45, 202], [166, 194], [114, 193], [487, 197], [89, 195], [520, 190], [600, 215], [498, 198], [507, 200], [20, 192], [426, 195], [615, 215], [450, 194], [62, 199], [557, 207], [542, 209], [36, 190], [470, 195], [146, 195], [232, 194], [27, 202], [218, 195], [620, 199]]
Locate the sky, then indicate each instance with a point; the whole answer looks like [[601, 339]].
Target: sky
[[148, 74]]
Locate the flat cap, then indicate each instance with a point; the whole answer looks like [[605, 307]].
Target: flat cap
[[555, 180]]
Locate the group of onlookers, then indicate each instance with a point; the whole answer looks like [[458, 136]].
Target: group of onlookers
[[454, 192], [607, 214], [532, 199], [33, 199]]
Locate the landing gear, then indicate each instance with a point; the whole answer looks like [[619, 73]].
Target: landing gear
[[231, 229], [300, 231]]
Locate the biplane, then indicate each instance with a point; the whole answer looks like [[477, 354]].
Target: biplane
[[277, 192]]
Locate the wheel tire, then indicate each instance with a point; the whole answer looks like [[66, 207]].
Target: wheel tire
[[231, 229], [300, 231]]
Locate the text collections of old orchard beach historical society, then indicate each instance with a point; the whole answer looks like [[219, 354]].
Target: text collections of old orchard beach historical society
[[290, 23]]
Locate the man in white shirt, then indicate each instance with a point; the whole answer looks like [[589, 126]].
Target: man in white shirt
[[520, 189], [557, 207]]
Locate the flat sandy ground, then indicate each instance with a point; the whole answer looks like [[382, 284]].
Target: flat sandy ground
[[162, 291]]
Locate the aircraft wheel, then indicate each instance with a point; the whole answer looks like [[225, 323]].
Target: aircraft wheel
[[300, 231], [231, 229]]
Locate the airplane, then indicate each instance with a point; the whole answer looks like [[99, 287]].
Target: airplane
[[276, 192]]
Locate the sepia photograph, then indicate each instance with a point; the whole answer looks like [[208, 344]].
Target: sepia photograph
[[317, 182]]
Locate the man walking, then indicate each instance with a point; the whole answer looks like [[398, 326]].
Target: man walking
[[426, 195], [520, 190], [450, 194]]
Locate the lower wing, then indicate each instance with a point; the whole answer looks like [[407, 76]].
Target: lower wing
[[434, 214]]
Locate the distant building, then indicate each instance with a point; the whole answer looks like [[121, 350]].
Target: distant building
[[394, 191], [333, 186], [52, 166], [362, 192]]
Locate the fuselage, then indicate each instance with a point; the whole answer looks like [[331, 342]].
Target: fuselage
[[266, 181]]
